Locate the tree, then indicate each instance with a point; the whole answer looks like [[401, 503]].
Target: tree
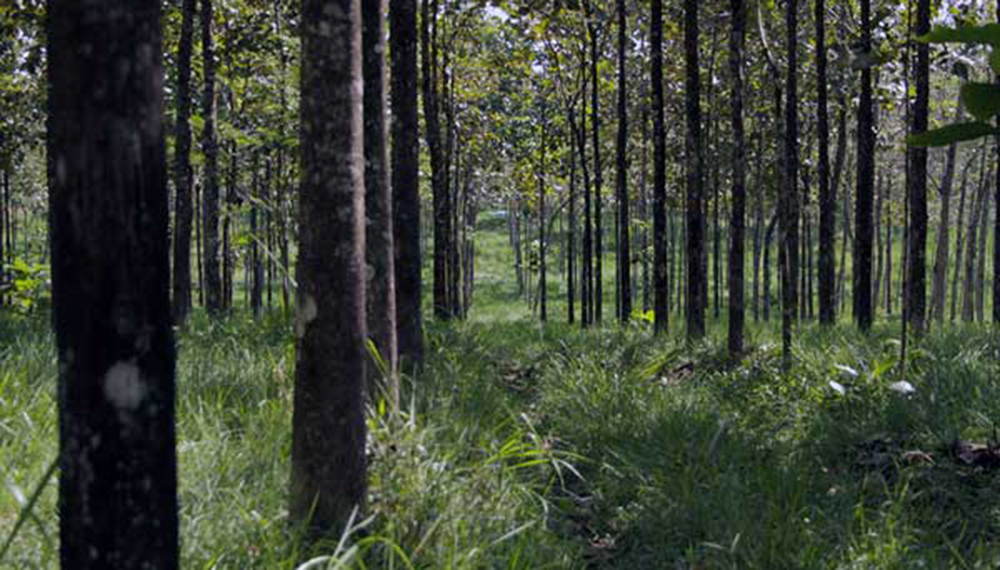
[[328, 425], [210, 147], [737, 245], [621, 175], [916, 183], [439, 184], [381, 287], [405, 182], [790, 191], [996, 219], [695, 309], [595, 110], [661, 300], [864, 200], [183, 176], [827, 196], [110, 285]]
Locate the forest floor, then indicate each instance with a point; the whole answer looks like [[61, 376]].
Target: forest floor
[[529, 446]]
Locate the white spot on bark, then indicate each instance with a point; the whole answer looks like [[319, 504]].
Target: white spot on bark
[[307, 311], [123, 386]]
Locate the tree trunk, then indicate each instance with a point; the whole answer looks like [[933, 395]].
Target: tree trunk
[[975, 215], [405, 183], [960, 235], [879, 251], [328, 425], [984, 225], [736, 247], [542, 266], [111, 285], [790, 214], [210, 148], [827, 195], [695, 306], [943, 237], [865, 187], [380, 290], [624, 256], [571, 235], [438, 184], [916, 184], [661, 290], [768, 239], [183, 178], [598, 177], [256, 257]]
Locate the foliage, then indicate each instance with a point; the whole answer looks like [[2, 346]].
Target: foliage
[[28, 286]]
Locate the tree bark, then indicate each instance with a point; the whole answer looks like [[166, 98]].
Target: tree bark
[[183, 176], [328, 425], [624, 256], [865, 187], [438, 185], [736, 248], [210, 148], [695, 306], [827, 195], [405, 184], [790, 214], [380, 293], [661, 291], [598, 279], [111, 285], [943, 237], [916, 183]]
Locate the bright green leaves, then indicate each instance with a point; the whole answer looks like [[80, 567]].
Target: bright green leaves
[[981, 35], [951, 134], [981, 99]]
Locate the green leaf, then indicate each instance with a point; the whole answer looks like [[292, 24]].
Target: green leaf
[[951, 134], [988, 34], [982, 100]]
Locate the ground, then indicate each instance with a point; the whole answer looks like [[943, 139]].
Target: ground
[[530, 446]]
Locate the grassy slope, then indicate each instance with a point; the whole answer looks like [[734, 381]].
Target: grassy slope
[[529, 447]]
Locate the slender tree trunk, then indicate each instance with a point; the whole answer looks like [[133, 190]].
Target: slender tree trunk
[[598, 177], [624, 255], [328, 426], [405, 183], [960, 236], [183, 178], [827, 195], [256, 257], [984, 228], [943, 237], [438, 184], [866, 178], [210, 148], [380, 291], [879, 256], [542, 281], [768, 239], [199, 243], [888, 260], [661, 289], [916, 183], [108, 215], [695, 307], [790, 215], [975, 215], [571, 235], [736, 248]]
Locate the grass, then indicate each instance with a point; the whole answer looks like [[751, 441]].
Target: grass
[[529, 446]]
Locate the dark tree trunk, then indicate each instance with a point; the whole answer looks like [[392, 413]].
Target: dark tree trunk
[[542, 266], [736, 224], [595, 110], [405, 183], [960, 235], [624, 256], [984, 225], [661, 292], [916, 183], [111, 285], [438, 184], [865, 188], [996, 222], [768, 239], [943, 238], [571, 236], [587, 286], [827, 195], [790, 214], [695, 306], [328, 425], [183, 178], [380, 294], [880, 192], [975, 214], [256, 259], [210, 148]]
